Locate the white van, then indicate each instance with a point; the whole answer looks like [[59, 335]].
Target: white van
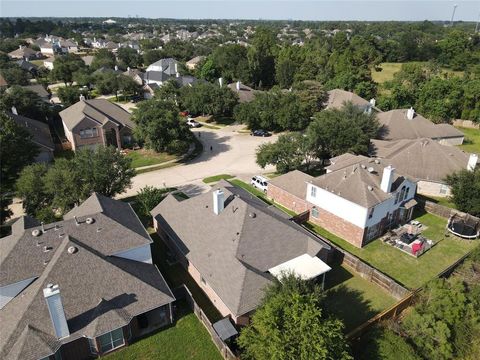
[[259, 182]]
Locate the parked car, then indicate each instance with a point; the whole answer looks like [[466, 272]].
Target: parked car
[[260, 132], [259, 182], [192, 123]]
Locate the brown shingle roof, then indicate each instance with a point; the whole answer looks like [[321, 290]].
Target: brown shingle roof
[[294, 182], [337, 98]]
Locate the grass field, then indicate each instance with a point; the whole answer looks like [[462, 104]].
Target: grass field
[[407, 270], [352, 298], [145, 157], [389, 70], [216, 178], [186, 339], [471, 143]]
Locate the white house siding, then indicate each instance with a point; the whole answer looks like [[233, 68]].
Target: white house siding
[[8, 292], [338, 206], [141, 254]]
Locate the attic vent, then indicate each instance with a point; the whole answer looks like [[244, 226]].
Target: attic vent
[[89, 220], [252, 215], [36, 232], [99, 229], [363, 166], [377, 161], [369, 188], [370, 169], [72, 250], [47, 248]]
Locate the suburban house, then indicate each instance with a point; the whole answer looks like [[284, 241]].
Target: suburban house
[[39, 90], [24, 53], [97, 122], [40, 135], [81, 287], [48, 63], [28, 66], [169, 66], [426, 161], [244, 92], [357, 199], [338, 97], [407, 124], [193, 63], [135, 74], [234, 245]]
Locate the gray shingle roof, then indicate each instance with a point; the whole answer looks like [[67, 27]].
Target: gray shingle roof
[[99, 293], [337, 98], [396, 126], [245, 94], [234, 250], [100, 110], [353, 182], [422, 159], [294, 182], [38, 89], [39, 130]]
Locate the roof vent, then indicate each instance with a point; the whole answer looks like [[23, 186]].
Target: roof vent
[[370, 188], [89, 220], [252, 215], [377, 161], [370, 169], [72, 249], [363, 166], [47, 248], [36, 232]]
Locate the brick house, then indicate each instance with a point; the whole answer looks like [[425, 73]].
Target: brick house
[[97, 122], [234, 245], [357, 199], [81, 287]]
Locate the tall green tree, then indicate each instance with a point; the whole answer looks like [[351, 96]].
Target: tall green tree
[[465, 187], [129, 57], [65, 66], [291, 324], [25, 101], [261, 58], [103, 58]]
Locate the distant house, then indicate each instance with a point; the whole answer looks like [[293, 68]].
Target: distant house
[[337, 99], [407, 124], [234, 245], [28, 66], [39, 90], [192, 63], [425, 160], [149, 90], [81, 287], [357, 199], [41, 135], [88, 59], [24, 53], [168, 66], [97, 122], [244, 92], [48, 63], [135, 74]]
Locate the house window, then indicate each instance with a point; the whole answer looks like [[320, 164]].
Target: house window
[[313, 191], [370, 213], [111, 340], [402, 193], [406, 193], [88, 133], [443, 189], [315, 212], [92, 345], [397, 197]]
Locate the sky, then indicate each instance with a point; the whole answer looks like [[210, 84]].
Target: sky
[[246, 9]]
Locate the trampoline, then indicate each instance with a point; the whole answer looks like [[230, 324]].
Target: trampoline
[[463, 228]]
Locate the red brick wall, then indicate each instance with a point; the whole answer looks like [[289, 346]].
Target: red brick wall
[[286, 199], [340, 227]]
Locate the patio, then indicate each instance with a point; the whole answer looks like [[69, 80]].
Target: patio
[[408, 239]]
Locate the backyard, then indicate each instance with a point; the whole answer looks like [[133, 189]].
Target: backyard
[[352, 298], [407, 270], [471, 143], [187, 338]]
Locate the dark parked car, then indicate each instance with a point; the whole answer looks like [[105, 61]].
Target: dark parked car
[[260, 132]]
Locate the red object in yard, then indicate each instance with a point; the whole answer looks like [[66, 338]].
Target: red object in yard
[[184, 113], [416, 248]]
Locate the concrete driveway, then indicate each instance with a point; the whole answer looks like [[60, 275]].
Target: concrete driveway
[[225, 152]]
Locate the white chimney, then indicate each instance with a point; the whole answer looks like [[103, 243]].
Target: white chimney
[[116, 67], [472, 162], [238, 85], [14, 110], [373, 102], [128, 68], [410, 113], [55, 308], [82, 98], [218, 201], [220, 82], [176, 68], [177, 74], [161, 68], [387, 179]]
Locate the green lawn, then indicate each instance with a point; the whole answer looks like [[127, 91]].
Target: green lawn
[[352, 298], [144, 157], [471, 143], [217, 178], [445, 201], [186, 339], [389, 70], [407, 270]]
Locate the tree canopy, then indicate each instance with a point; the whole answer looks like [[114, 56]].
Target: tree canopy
[[465, 187]]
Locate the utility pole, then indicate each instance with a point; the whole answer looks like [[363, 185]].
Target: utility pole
[[453, 14]]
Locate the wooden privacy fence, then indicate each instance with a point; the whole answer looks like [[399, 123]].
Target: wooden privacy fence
[[182, 292], [443, 211]]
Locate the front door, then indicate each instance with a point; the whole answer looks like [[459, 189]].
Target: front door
[[111, 137]]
